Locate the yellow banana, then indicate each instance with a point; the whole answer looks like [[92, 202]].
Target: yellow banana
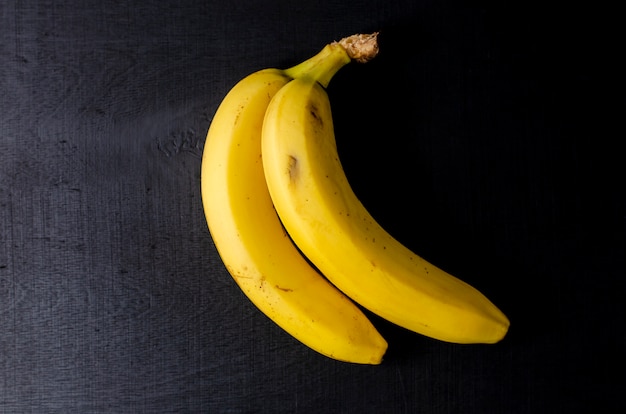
[[249, 236], [333, 229]]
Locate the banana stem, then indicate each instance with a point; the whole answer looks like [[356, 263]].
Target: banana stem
[[323, 66], [361, 47]]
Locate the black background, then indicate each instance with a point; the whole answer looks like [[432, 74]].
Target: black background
[[487, 138]]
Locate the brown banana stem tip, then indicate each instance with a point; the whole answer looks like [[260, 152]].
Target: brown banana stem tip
[[361, 47]]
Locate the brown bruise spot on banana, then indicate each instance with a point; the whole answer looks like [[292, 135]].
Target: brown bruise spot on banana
[[284, 289], [314, 112], [292, 168]]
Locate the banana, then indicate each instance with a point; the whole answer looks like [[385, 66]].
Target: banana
[[249, 236], [334, 230]]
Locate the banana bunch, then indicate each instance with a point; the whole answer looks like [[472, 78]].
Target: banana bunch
[[295, 237]]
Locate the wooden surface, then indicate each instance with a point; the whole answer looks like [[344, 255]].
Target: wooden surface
[[489, 142]]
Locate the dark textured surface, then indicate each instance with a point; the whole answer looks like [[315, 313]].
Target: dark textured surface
[[486, 138]]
